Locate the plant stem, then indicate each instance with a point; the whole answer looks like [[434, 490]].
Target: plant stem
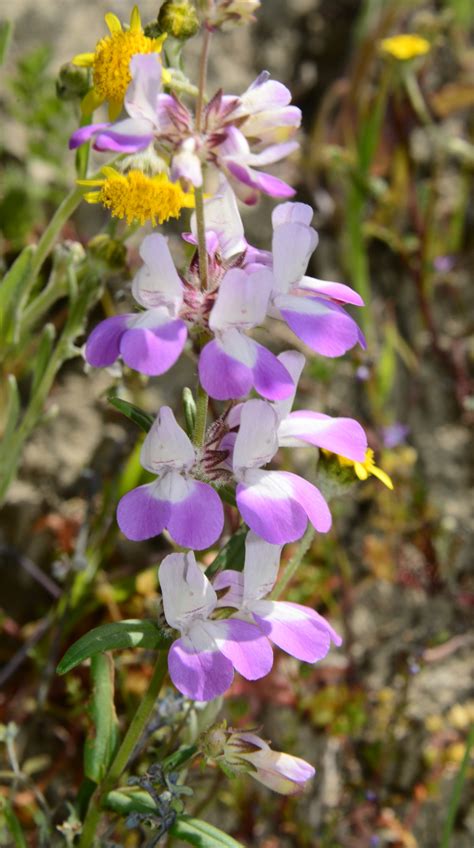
[[202, 78], [122, 757], [201, 416], [294, 563], [46, 242], [455, 799]]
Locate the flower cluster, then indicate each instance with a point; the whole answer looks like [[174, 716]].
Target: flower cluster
[[170, 157]]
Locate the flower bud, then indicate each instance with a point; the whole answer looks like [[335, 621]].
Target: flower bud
[[179, 19], [218, 13], [111, 252], [72, 82]]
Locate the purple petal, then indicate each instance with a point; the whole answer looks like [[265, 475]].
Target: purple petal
[[259, 181], [336, 291], [199, 675], [120, 143], [271, 379], [297, 213], [310, 499], [344, 436], [84, 134], [324, 326], [269, 509], [140, 515], [103, 344], [294, 630], [197, 521], [244, 645], [222, 376], [153, 350]]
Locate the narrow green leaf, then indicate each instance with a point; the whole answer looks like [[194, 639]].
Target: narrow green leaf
[[6, 30], [139, 417], [179, 757], [129, 801], [43, 355], [101, 745], [114, 637], [13, 825], [202, 834], [231, 555], [12, 413], [189, 407], [12, 287]]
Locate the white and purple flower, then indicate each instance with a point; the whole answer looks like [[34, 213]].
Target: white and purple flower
[[202, 661], [276, 505], [296, 629], [189, 509], [311, 308], [152, 340]]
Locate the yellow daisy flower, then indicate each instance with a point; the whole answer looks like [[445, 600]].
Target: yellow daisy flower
[[111, 60], [405, 46], [367, 467], [138, 197]]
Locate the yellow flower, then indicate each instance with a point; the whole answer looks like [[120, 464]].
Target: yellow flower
[[405, 46], [138, 197], [367, 467], [111, 60]]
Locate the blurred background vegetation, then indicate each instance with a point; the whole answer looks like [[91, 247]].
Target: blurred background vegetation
[[387, 159]]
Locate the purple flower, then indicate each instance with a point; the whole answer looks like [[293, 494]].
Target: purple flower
[[201, 663], [310, 307], [294, 628], [265, 108], [190, 510], [276, 505], [395, 434], [245, 751], [150, 341], [232, 364]]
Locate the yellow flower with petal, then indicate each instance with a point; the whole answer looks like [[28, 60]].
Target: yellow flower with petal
[[405, 46], [110, 62], [366, 468], [138, 197]]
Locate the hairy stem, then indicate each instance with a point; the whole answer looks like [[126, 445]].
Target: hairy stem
[[119, 764]]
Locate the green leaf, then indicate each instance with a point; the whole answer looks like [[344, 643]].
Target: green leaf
[[137, 415], [101, 745], [114, 637], [232, 555], [6, 29], [13, 825], [12, 413], [189, 406], [43, 356], [202, 834], [12, 287], [193, 831]]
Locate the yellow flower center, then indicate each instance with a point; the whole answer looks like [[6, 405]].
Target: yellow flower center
[[112, 59], [137, 197]]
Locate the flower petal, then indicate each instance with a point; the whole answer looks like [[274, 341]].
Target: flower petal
[[280, 772], [295, 213], [103, 344], [140, 515], [223, 217], [294, 629], [267, 505], [292, 246], [167, 445], [242, 300], [186, 591], [344, 436], [197, 668], [84, 134], [244, 645], [294, 363], [324, 326], [336, 291], [153, 350], [141, 98], [262, 561], [223, 375], [256, 442], [270, 377], [197, 520], [157, 283]]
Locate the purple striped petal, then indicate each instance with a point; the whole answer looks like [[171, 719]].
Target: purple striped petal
[[140, 515], [199, 674], [153, 350], [103, 344]]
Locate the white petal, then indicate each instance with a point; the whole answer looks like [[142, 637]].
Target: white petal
[[157, 283], [167, 445], [256, 442], [187, 593], [141, 99], [262, 561], [242, 300], [294, 363], [223, 217], [292, 247], [297, 213]]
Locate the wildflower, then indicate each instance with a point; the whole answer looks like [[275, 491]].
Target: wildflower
[[179, 19], [111, 60], [241, 751], [367, 467], [294, 628], [310, 307], [276, 505], [201, 663], [190, 510], [233, 363], [405, 46], [218, 13], [138, 197], [264, 111], [149, 341]]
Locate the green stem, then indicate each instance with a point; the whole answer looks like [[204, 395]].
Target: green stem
[[46, 242], [455, 799], [294, 563], [134, 732], [56, 288], [201, 417]]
